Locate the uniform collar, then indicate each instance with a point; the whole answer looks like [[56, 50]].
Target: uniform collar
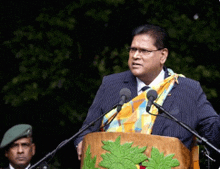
[[10, 166]]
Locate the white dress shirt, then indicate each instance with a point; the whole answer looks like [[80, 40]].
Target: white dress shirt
[[156, 81]]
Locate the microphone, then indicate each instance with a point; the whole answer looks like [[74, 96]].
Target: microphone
[[125, 94], [151, 95]]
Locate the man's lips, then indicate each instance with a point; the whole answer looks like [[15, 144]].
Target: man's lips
[[21, 158], [136, 64]]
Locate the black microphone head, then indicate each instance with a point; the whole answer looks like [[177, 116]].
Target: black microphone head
[[125, 92], [152, 93]]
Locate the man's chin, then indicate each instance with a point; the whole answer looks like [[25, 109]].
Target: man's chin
[[137, 72], [20, 165]]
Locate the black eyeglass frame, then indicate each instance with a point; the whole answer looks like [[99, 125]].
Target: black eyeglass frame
[[142, 50]]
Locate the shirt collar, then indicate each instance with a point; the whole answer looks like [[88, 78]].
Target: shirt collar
[[156, 81], [10, 166]]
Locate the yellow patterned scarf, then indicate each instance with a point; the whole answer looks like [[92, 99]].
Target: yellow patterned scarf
[[133, 116]]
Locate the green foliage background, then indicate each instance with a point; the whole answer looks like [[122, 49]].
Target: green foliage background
[[55, 64]]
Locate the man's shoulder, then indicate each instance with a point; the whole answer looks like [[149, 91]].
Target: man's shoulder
[[128, 72], [188, 85], [188, 81], [119, 76]]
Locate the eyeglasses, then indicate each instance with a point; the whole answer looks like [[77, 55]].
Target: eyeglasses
[[141, 50]]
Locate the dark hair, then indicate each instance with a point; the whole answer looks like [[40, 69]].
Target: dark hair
[[156, 32]]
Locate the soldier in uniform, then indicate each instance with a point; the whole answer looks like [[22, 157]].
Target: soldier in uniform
[[18, 146]]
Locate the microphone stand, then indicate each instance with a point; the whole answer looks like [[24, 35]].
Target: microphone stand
[[201, 139], [44, 165]]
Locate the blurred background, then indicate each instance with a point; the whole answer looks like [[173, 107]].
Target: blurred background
[[55, 53]]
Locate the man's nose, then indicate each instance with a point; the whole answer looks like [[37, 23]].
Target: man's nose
[[20, 149], [136, 54]]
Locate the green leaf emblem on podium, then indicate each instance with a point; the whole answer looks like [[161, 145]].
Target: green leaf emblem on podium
[[158, 160], [121, 156], [127, 157], [89, 162]]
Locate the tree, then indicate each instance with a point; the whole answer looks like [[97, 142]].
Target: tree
[[63, 57]]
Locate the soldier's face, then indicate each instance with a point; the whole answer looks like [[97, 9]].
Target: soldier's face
[[20, 152]]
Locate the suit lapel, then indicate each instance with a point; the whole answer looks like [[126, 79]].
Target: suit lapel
[[131, 83], [160, 120]]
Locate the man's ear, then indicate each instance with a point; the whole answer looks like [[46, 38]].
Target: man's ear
[[164, 55], [33, 148], [6, 153]]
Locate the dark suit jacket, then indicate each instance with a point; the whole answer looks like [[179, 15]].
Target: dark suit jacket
[[186, 102]]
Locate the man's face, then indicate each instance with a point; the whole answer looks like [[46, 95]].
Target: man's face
[[20, 152], [146, 65]]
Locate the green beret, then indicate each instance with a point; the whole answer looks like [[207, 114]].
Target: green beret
[[16, 132]]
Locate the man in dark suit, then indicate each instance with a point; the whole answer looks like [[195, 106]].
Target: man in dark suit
[[18, 146], [147, 56]]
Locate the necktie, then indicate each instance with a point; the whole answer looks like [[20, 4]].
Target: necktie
[[145, 88]]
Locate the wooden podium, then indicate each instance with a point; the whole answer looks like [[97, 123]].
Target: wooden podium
[[93, 143]]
